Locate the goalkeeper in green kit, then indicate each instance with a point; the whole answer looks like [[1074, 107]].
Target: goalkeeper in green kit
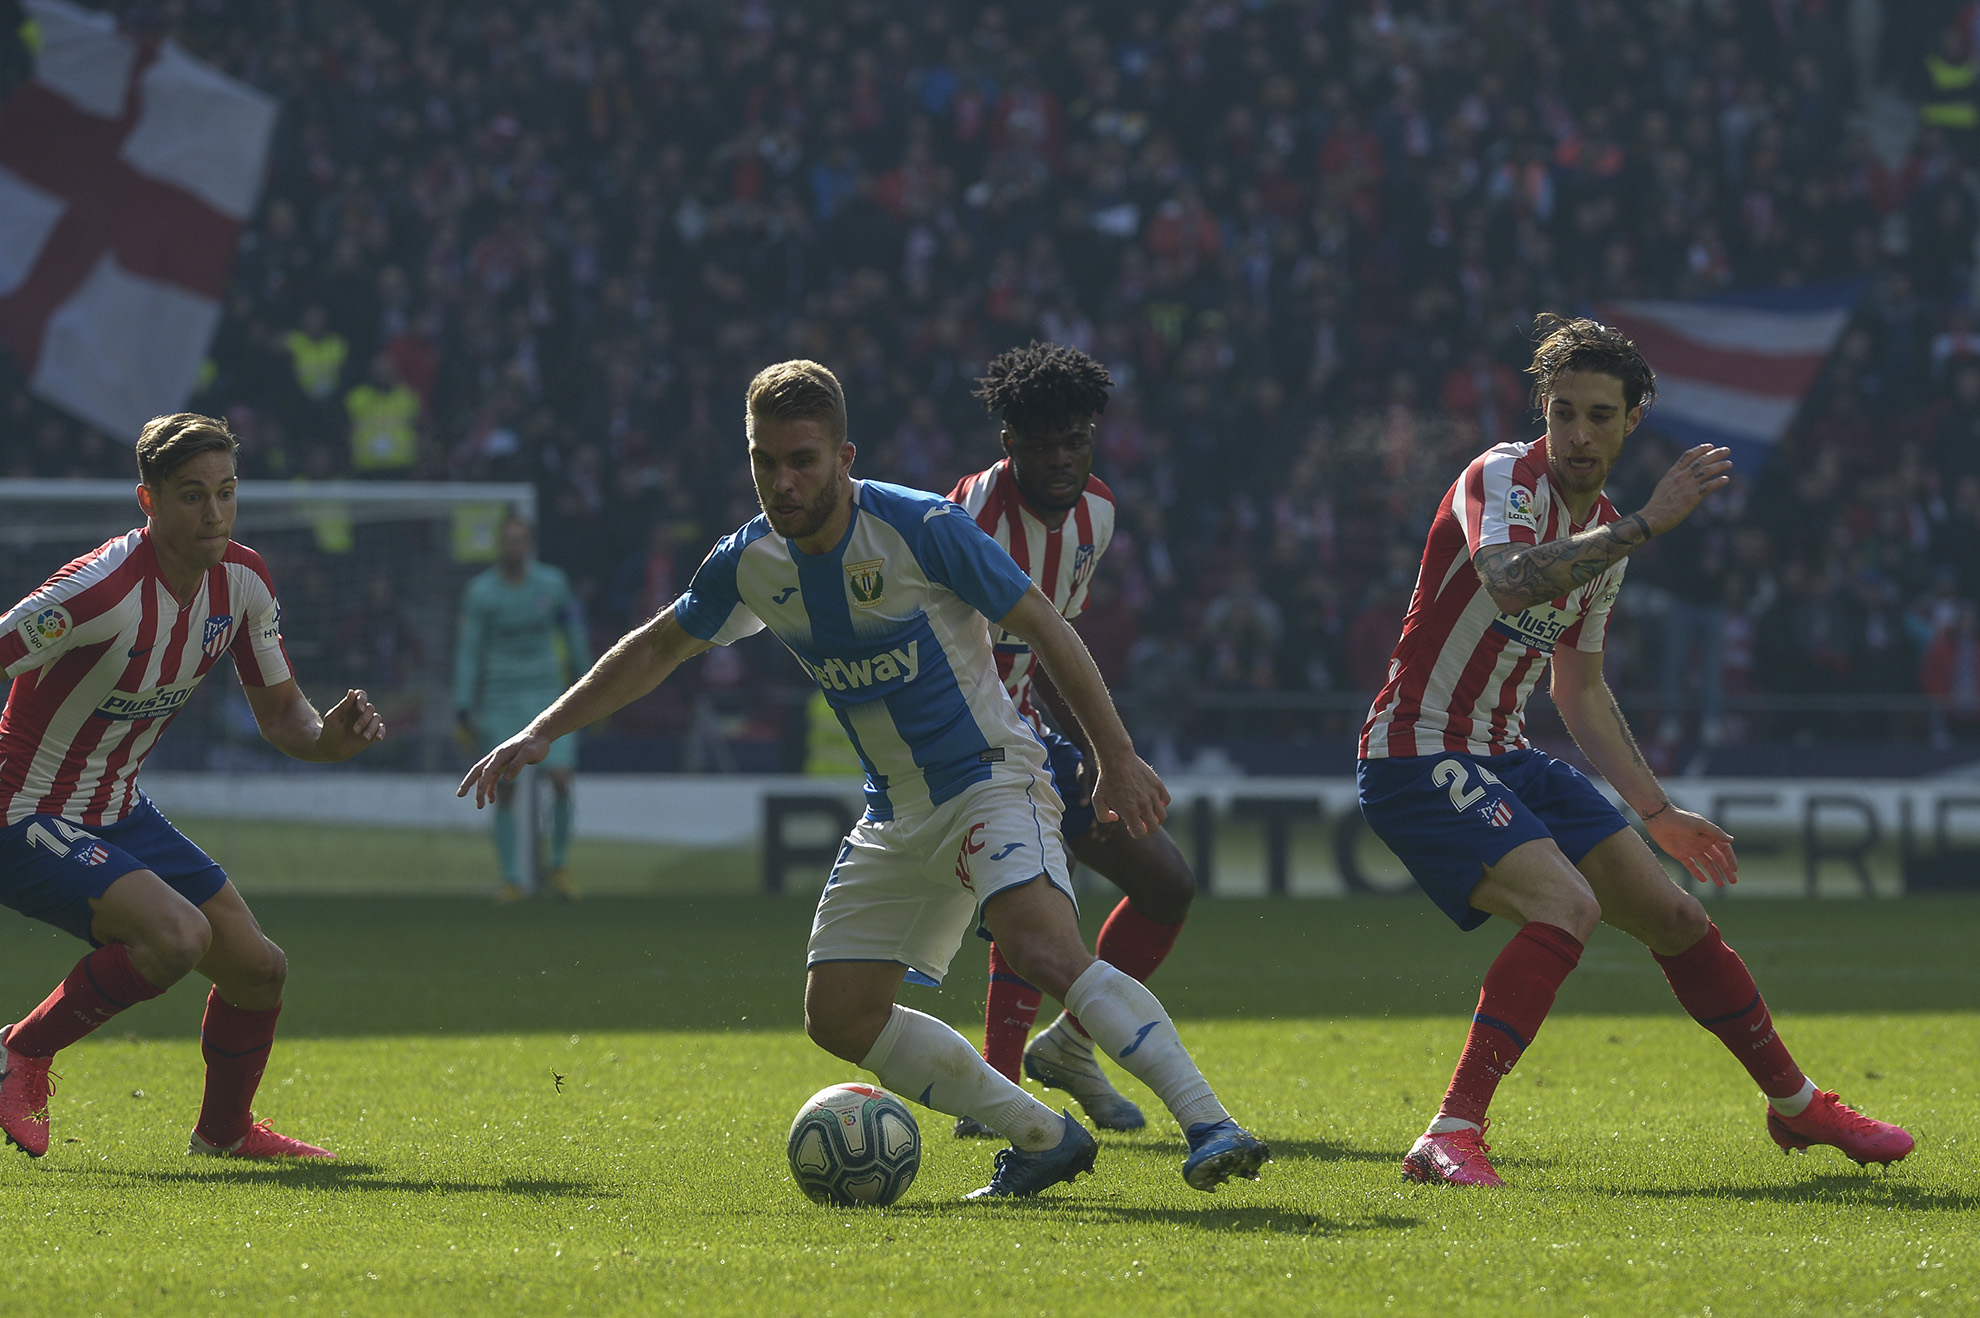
[[521, 637]]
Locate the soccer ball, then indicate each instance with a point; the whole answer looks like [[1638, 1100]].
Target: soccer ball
[[854, 1145]]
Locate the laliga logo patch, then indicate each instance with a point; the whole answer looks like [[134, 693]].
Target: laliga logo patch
[[219, 630], [1519, 507], [43, 629]]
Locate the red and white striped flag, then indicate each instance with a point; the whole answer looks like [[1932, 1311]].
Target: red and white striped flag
[[127, 169]]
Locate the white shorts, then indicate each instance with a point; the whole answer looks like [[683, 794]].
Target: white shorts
[[908, 889]]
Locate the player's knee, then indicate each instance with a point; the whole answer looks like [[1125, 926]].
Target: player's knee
[[1168, 899], [174, 943], [1684, 924], [1050, 965], [847, 1035], [1579, 912], [265, 970]]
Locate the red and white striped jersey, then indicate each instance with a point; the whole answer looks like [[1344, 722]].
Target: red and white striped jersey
[[101, 659], [1059, 559], [1460, 676]]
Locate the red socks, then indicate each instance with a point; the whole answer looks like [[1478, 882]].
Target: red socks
[[1713, 984], [102, 984], [235, 1043], [1518, 993], [1133, 944], [1130, 942], [1008, 1013]]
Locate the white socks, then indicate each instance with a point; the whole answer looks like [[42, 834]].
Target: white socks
[[1795, 1104], [1129, 1025], [919, 1057]]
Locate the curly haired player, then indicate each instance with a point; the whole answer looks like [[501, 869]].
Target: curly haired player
[[1042, 503], [1524, 560]]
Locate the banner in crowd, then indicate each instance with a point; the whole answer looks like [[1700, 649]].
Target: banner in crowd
[[127, 169], [1734, 369]]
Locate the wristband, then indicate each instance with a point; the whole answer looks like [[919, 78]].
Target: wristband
[[1658, 811]]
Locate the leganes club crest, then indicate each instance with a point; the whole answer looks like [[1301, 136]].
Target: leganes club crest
[[867, 584]]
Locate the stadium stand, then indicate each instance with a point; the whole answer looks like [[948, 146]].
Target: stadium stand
[[550, 243]]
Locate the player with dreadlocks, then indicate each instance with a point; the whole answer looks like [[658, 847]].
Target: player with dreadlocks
[[1043, 504]]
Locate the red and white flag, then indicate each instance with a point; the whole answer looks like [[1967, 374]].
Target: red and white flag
[[127, 169], [1734, 369]]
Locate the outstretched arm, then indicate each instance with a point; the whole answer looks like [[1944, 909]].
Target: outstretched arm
[[1125, 788], [291, 724], [1590, 711], [641, 660], [1520, 576]]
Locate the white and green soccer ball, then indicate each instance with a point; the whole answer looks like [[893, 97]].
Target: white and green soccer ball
[[854, 1145]]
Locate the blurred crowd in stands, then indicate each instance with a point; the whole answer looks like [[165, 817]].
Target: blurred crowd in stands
[[550, 242]]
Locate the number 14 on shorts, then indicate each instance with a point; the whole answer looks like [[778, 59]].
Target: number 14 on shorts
[[42, 833]]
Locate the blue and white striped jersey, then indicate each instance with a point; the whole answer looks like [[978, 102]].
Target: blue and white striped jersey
[[890, 623]]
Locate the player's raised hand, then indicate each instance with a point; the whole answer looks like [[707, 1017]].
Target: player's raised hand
[[351, 725], [1126, 789], [1697, 472], [502, 764], [1697, 843]]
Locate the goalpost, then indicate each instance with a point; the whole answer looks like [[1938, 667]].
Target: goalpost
[[369, 576]]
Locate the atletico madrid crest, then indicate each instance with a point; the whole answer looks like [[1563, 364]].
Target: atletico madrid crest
[[1498, 814], [219, 630]]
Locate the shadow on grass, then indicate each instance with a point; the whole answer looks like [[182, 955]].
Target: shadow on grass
[[1283, 1150], [341, 1175], [1277, 1220], [1865, 1189]]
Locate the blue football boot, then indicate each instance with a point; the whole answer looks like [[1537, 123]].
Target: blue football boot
[[1020, 1175], [1219, 1150]]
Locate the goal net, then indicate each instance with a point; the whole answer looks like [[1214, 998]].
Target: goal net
[[370, 579]]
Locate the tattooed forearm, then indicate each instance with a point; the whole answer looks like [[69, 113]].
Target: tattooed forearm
[[1532, 573]]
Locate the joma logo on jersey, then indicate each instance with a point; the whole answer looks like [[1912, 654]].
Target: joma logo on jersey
[[123, 706], [219, 630], [851, 675], [868, 586]]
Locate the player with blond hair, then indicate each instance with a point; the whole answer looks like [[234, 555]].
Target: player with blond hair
[[882, 593]]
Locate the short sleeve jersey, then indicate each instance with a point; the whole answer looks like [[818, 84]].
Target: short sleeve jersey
[[1061, 559], [1461, 674], [102, 658], [890, 624]]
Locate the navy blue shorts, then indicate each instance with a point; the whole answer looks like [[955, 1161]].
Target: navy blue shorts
[[1064, 757], [1449, 816], [51, 868]]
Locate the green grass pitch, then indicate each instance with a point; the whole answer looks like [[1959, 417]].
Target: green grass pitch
[[548, 1109]]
